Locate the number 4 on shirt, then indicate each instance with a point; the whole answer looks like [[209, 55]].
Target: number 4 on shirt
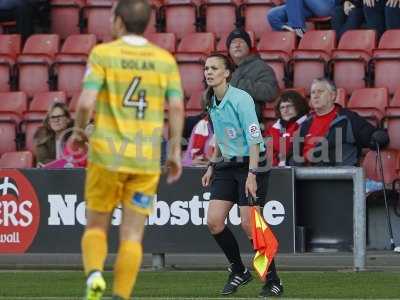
[[140, 102]]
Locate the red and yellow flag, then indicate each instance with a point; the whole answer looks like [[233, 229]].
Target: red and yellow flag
[[264, 243]]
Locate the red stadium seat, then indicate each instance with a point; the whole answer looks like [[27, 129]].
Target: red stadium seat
[[70, 64], [154, 25], [310, 59], [392, 120], [193, 105], [220, 16], [341, 97], [370, 103], [180, 17], [79, 44], [195, 46], [10, 47], [384, 66], [254, 14], [192, 77], [17, 160], [35, 61], [12, 106], [64, 17], [275, 48], [166, 40], [349, 62], [390, 163], [8, 133], [97, 14]]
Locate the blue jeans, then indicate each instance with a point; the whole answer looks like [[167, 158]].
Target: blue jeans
[[380, 17], [341, 23], [295, 12]]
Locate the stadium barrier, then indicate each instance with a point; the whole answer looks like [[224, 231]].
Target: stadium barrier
[[42, 211]]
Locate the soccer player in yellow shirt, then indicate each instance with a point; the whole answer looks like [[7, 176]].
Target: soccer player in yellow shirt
[[126, 82]]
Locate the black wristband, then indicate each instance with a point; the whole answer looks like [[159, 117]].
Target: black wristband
[[253, 171], [211, 164]]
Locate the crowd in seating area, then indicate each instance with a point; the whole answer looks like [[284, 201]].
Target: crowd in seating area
[[354, 43]]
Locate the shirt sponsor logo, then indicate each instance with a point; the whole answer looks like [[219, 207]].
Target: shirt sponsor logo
[[142, 200]]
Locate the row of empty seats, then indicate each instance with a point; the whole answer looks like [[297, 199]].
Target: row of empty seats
[[19, 118], [177, 16], [357, 61]]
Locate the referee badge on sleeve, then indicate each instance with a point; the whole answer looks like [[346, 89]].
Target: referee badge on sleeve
[[254, 130]]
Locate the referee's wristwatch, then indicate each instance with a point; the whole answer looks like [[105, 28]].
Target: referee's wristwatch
[[211, 164], [253, 171]]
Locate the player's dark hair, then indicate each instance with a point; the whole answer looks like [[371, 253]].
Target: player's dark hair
[[228, 64], [135, 14]]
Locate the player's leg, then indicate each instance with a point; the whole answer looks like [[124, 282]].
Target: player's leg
[[94, 252], [138, 195], [129, 257], [224, 188], [101, 194]]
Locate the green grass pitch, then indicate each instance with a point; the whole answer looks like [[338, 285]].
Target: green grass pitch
[[60, 285]]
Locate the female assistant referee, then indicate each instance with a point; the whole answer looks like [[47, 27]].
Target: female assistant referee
[[234, 170]]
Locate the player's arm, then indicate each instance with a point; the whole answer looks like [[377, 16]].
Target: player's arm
[[85, 107], [176, 117]]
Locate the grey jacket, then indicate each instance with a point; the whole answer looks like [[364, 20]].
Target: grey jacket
[[258, 79]]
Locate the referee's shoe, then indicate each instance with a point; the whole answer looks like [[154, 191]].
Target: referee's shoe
[[236, 280], [272, 288]]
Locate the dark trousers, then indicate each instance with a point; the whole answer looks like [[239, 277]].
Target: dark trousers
[[341, 22], [23, 15], [381, 17]]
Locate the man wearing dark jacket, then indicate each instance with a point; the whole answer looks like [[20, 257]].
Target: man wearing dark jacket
[[332, 135], [252, 74]]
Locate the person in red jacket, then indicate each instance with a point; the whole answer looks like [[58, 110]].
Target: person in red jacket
[[291, 110]]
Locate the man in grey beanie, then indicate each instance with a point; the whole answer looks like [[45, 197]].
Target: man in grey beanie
[[252, 74]]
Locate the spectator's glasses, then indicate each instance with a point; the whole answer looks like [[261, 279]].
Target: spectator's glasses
[[287, 106], [57, 118]]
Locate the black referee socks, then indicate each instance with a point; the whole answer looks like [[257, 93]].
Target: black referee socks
[[227, 242]]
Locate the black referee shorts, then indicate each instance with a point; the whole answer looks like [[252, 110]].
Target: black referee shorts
[[229, 182]]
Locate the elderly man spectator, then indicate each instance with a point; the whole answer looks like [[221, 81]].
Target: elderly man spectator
[[251, 74], [332, 135]]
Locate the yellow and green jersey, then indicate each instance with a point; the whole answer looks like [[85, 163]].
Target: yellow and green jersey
[[133, 78]]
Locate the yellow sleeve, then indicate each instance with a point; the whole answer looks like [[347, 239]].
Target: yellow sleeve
[[174, 86], [95, 72]]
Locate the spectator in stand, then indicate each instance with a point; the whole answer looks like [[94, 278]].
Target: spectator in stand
[[291, 110], [292, 15], [382, 14], [49, 140], [201, 144], [347, 15], [20, 11], [251, 74], [332, 135]]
